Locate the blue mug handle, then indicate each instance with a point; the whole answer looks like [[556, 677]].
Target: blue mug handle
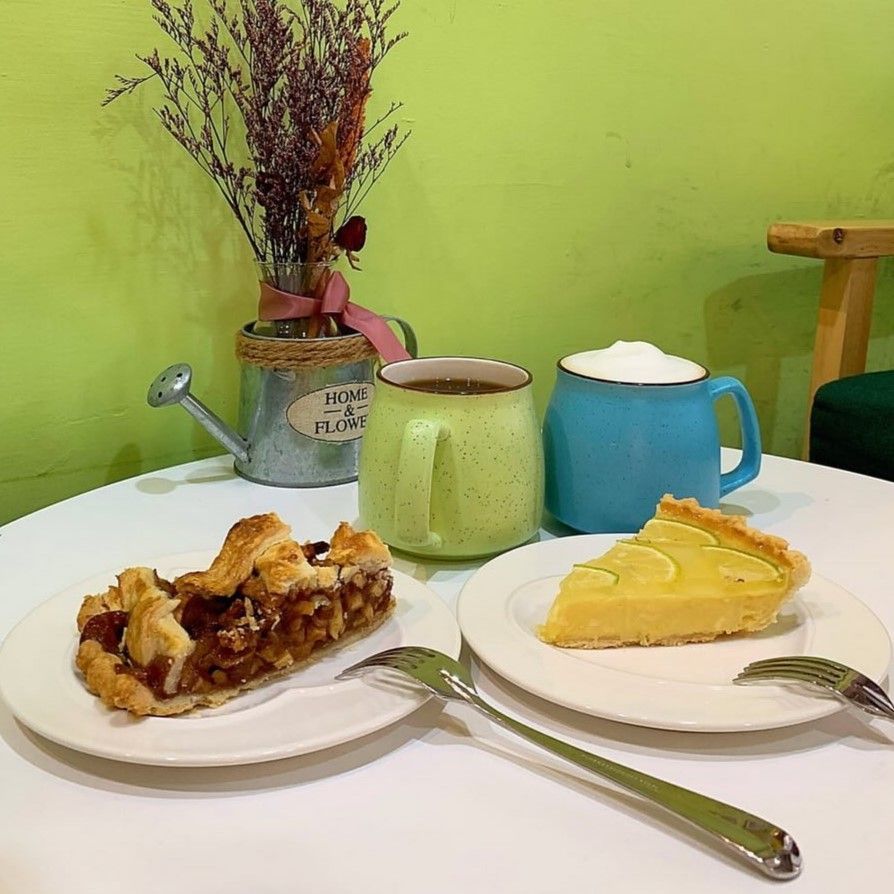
[[750, 464]]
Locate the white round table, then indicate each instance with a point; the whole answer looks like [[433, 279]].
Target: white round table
[[442, 802]]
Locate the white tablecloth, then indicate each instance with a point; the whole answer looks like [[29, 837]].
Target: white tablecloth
[[443, 801]]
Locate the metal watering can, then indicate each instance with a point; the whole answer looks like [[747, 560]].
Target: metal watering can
[[299, 427]]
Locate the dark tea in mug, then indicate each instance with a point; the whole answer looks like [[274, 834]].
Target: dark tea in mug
[[455, 385]]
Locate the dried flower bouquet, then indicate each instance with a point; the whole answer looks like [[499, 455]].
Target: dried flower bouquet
[[270, 100]]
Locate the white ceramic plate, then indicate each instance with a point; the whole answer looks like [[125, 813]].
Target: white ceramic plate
[[667, 687], [295, 715]]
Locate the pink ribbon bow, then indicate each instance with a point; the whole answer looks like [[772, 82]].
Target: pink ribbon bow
[[278, 305]]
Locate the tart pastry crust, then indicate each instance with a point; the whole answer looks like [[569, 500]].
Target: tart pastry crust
[[267, 606]]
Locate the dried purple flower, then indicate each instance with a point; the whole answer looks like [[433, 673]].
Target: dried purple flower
[[285, 89]]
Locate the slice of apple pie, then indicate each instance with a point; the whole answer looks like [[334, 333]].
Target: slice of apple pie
[[266, 606]]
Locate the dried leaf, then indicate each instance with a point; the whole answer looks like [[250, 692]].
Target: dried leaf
[[328, 153], [318, 224], [326, 196]]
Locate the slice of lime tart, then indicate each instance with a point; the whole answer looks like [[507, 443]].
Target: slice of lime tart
[[690, 575]]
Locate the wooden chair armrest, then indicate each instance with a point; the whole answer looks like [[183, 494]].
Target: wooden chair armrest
[[833, 239]]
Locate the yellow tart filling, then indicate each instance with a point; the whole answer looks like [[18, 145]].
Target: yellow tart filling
[[690, 575]]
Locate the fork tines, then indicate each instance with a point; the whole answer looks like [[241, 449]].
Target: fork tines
[[796, 669], [802, 661], [400, 658], [823, 672]]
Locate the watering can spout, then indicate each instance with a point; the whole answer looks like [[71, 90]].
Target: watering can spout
[[171, 386]]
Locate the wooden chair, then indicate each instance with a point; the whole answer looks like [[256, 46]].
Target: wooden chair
[[850, 249]]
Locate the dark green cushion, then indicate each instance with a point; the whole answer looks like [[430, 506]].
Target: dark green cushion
[[852, 424]]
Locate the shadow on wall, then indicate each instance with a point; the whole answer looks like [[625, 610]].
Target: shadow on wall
[[762, 329], [179, 231], [127, 461], [752, 327]]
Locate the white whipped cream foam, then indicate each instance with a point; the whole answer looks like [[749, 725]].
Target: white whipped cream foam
[[634, 363]]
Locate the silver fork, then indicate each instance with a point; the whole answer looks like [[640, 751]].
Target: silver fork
[[848, 684], [764, 845]]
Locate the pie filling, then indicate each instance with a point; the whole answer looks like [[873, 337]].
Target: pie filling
[[264, 607], [252, 634]]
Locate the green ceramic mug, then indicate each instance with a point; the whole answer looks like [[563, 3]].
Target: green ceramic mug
[[451, 463]]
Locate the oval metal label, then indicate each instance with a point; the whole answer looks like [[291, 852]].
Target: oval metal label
[[334, 413]]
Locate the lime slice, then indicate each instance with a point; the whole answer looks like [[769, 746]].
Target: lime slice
[[601, 577], [657, 529], [740, 567], [642, 562]]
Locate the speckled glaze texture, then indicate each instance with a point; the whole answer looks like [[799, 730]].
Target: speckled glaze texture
[[480, 454], [612, 450]]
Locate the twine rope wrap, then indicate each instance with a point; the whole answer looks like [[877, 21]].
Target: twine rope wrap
[[302, 353]]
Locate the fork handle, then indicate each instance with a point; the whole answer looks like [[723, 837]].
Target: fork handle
[[771, 849]]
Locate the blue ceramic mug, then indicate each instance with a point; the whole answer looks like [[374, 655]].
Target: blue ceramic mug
[[612, 449]]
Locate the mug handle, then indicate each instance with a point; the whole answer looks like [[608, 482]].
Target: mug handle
[[750, 464], [409, 335], [412, 489]]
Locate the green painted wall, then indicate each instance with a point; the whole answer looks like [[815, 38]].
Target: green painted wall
[[579, 171]]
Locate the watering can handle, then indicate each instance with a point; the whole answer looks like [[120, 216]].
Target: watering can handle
[[409, 335]]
